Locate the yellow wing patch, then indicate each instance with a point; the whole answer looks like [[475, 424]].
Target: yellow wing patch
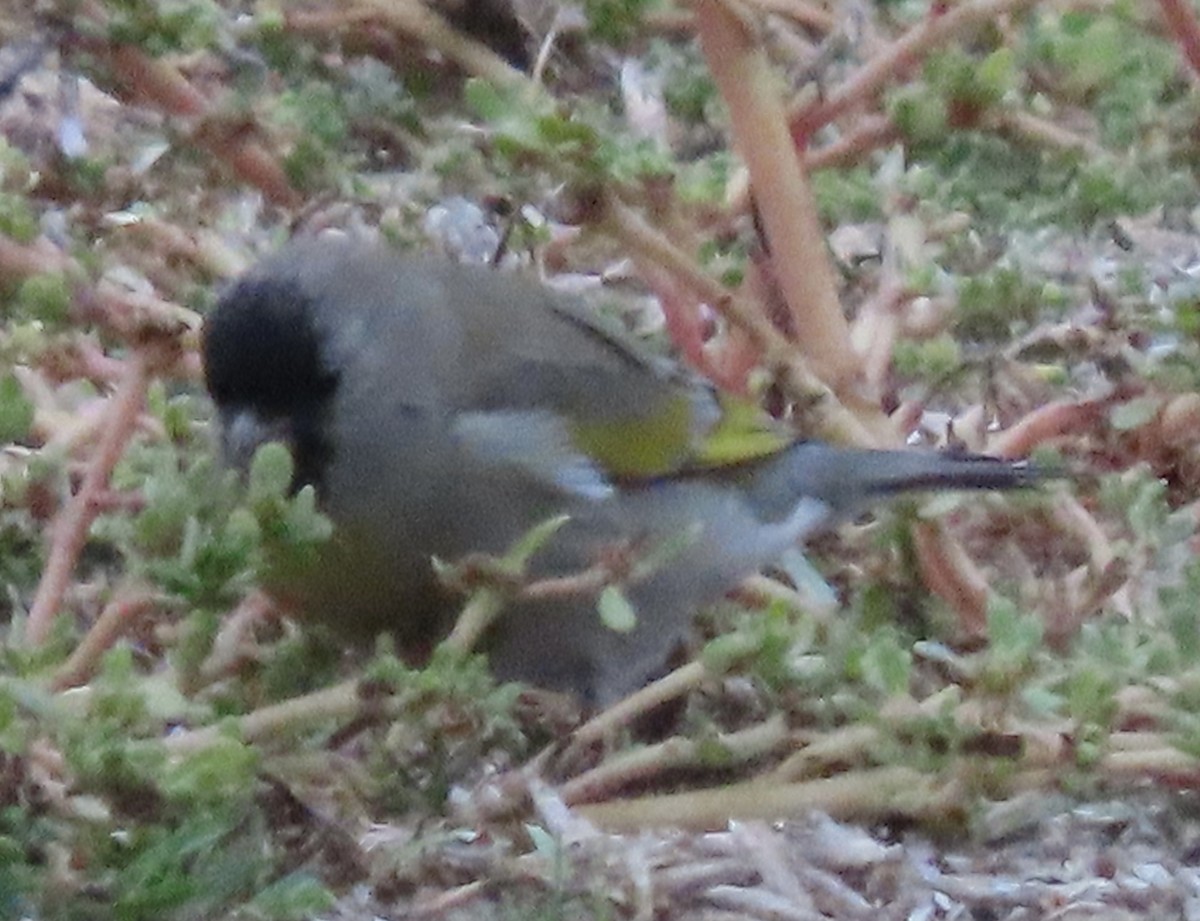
[[666, 442]]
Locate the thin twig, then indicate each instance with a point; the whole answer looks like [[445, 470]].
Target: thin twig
[[1026, 126], [477, 615], [1061, 417], [869, 135], [604, 725], [952, 575], [19, 261], [810, 15], [71, 526], [1183, 24], [116, 618], [865, 795], [158, 82], [941, 25], [654, 761], [420, 22], [338, 703]]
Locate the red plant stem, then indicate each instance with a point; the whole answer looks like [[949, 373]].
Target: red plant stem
[[158, 82], [71, 525], [1182, 22], [113, 621], [951, 575], [894, 60], [782, 190]]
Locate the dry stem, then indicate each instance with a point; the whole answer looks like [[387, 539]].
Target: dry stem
[[952, 575], [865, 795], [419, 21], [604, 725], [893, 61], [1183, 24], [831, 418], [113, 621], [645, 764], [340, 702], [783, 194], [72, 523]]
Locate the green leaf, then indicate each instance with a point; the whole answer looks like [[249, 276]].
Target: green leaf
[[535, 539], [271, 473], [885, 664], [996, 75], [543, 842], [17, 218], [663, 552], [1010, 631], [920, 115], [46, 298], [16, 412], [296, 897], [1133, 414], [617, 21], [616, 611]]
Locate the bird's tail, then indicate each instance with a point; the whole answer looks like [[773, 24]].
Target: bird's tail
[[846, 479]]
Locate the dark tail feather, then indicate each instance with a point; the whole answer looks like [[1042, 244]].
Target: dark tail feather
[[910, 471], [846, 478]]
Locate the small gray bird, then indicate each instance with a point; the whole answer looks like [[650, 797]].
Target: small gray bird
[[440, 410]]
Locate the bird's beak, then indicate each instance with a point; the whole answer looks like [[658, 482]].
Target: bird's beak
[[243, 431]]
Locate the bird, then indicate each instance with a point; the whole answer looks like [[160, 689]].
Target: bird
[[441, 410]]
